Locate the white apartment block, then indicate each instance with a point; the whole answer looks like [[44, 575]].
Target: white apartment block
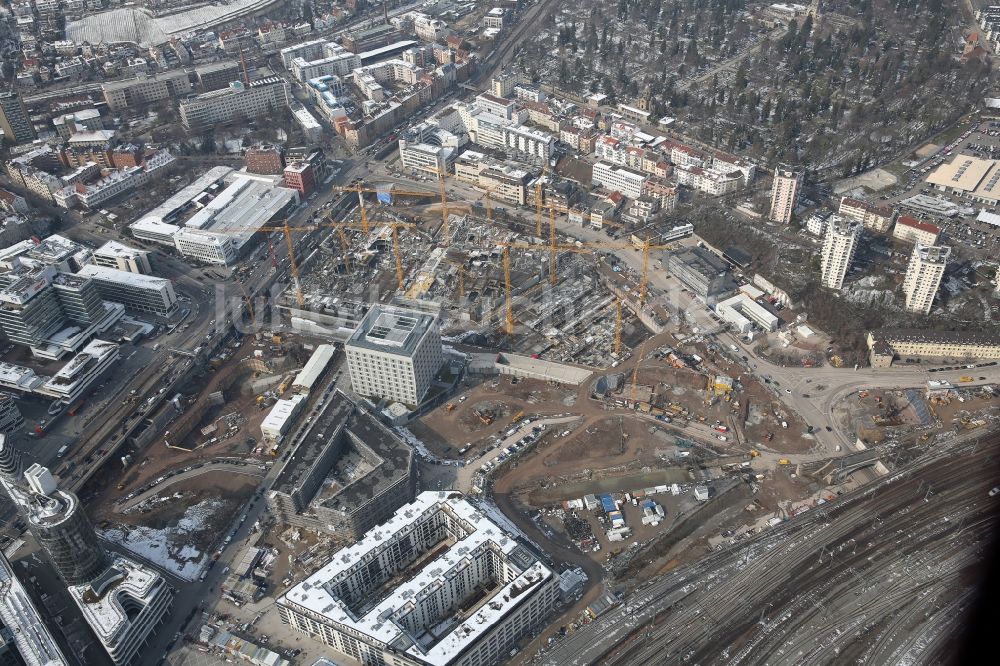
[[142, 293], [338, 65], [394, 353], [618, 179], [237, 101], [709, 181], [311, 50], [876, 218], [503, 84], [498, 106], [839, 246], [785, 193], [923, 276], [526, 143], [380, 603], [912, 230]]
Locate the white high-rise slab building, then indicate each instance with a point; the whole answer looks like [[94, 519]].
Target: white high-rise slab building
[[839, 246], [923, 276]]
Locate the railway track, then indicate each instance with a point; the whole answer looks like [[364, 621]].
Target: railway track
[[868, 577]]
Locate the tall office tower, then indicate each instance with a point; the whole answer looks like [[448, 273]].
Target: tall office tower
[[10, 416], [121, 600], [839, 247], [61, 527], [79, 298], [14, 119], [10, 460], [785, 193], [24, 637], [923, 276], [29, 310]]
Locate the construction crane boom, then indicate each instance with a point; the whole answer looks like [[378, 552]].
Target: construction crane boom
[[618, 326], [506, 281], [552, 246]]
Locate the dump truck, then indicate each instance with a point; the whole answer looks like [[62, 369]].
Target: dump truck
[[784, 461]]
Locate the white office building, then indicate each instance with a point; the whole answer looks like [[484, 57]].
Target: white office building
[[839, 246], [618, 179], [238, 101], [281, 417], [394, 353], [141, 293], [378, 601], [742, 312], [27, 636], [123, 257], [923, 276], [123, 606], [74, 378]]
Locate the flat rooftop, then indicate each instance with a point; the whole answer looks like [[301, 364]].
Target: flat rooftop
[[316, 441], [387, 456], [123, 277], [895, 335], [391, 330]]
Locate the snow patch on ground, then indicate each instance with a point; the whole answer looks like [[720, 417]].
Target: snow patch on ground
[[170, 547]]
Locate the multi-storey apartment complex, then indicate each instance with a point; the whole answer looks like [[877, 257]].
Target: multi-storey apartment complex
[[911, 230], [839, 246], [785, 193], [394, 353], [888, 343], [874, 217], [238, 101], [424, 616], [923, 276]]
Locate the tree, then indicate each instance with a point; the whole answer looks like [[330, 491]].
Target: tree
[[307, 15]]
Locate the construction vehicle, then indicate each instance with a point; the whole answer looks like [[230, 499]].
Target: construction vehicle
[[484, 416], [120, 486], [754, 453], [784, 461], [769, 436], [276, 339], [966, 378], [518, 416], [450, 406]]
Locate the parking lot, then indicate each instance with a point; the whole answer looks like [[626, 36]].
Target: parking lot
[[981, 139]]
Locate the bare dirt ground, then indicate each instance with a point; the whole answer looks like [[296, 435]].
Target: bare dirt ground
[[228, 493]]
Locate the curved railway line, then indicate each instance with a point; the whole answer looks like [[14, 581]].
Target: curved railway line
[[878, 576]]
